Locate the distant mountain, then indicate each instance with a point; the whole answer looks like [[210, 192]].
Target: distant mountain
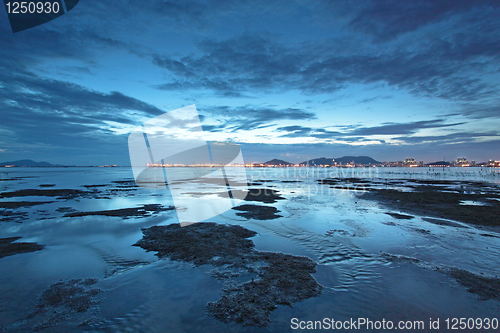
[[356, 159], [343, 160], [439, 163], [277, 162], [28, 163], [318, 161]]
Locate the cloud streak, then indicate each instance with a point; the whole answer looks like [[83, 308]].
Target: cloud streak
[[391, 129], [445, 68], [247, 118]]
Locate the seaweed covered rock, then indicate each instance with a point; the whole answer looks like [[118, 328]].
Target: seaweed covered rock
[[282, 279], [63, 301], [9, 247], [279, 279], [257, 212], [75, 295], [200, 243]]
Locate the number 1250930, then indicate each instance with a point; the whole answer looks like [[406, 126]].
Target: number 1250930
[[471, 323], [32, 7]]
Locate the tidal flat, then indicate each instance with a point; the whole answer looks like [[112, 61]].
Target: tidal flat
[[96, 252]]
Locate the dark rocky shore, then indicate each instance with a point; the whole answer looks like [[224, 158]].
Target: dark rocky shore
[[483, 286], [142, 211], [432, 198], [62, 301], [257, 212], [9, 248], [278, 279], [432, 201]]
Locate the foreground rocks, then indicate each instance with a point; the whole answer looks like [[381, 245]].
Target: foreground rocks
[[59, 193], [278, 279], [62, 300], [440, 199], [257, 212], [8, 247], [142, 211], [484, 287], [434, 202]]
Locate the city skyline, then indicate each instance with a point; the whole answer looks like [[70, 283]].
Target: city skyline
[[333, 162], [293, 81]]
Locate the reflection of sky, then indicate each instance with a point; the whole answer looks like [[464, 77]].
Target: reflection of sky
[[383, 78]]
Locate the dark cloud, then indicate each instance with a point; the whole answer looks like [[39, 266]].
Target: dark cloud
[[480, 111], [31, 92], [404, 128], [293, 128], [460, 137], [360, 133], [447, 68], [232, 67], [54, 41], [248, 118], [386, 19], [436, 49], [296, 131], [40, 112], [368, 100]]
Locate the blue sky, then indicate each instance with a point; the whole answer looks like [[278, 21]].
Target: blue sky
[[291, 80]]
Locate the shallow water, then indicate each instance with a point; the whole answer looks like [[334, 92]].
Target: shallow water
[[337, 228]]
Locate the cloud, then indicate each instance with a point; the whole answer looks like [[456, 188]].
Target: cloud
[[481, 110], [453, 138], [402, 128], [355, 134], [62, 114], [368, 100], [293, 128], [387, 19], [447, 68], [446, 61], [295, 131], [430, 49], [247, 118]]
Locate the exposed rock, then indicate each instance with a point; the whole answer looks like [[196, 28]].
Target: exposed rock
[[63, 300], [145, 210], [264, 195], [8, 247], [257, 212], [400, 216], [60, 193], [280, 279]]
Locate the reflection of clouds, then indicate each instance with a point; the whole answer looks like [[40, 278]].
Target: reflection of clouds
[[50, 230], [183, 144]]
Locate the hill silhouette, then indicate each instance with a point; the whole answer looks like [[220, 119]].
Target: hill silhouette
[[276, 161], [28, 163], [343, 160]]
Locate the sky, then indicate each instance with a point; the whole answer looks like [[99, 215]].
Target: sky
[[292, 80]]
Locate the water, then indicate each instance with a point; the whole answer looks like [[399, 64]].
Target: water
[[342, 232]]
